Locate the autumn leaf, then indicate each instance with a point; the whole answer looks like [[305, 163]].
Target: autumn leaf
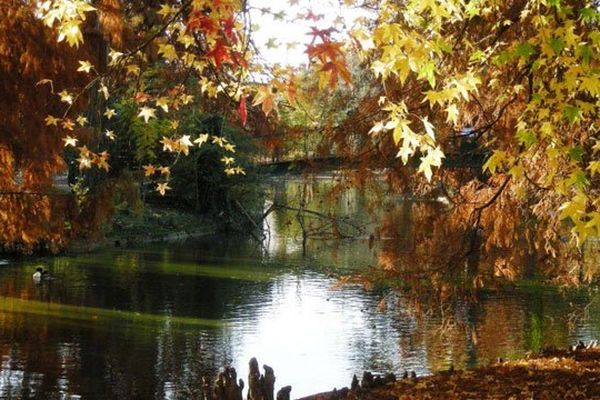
[[146, 113], [202, 138], [199, 21], [68, 124], [81, 120], [227, 160], [242, 110], [185, 144], [163, 102], [433, 158], [220, 54], [51, 120], [149, 170], [168, 51], [168, 144], [162, 188], [70, 141], [164, 171], [110, 134], [84, 66], [265, 98], [66, 97], [109, 113], [104, 90]]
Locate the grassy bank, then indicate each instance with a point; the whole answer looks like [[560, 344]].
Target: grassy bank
[[149, 224]]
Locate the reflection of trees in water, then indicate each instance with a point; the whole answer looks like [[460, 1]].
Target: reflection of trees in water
[[483, 238], [120, 358], [464, 333]]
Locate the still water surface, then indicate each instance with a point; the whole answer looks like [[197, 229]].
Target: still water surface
[[149, 322]]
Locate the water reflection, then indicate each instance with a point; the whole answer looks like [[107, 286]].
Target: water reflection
[[150, 322]]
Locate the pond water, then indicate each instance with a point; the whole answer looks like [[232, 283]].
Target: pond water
[[150, 322]]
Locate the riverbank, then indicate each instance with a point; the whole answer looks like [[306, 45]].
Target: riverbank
[[552, 374], [150, 224]]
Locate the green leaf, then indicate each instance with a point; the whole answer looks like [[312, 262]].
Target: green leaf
[[576, 153], [476, 56], [524, 50], [585, 52], [557, 45], [526, 137], [428, 71], [572, 113]]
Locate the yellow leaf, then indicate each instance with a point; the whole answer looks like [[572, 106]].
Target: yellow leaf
[[51, 120], [452, 112], [109, 113], [147, 113], [149, 170], [227, 160], [164, 171], [68, 124], [428, 128], [84, 66], [165, 10], [163, 103], [132, 69], [104, 90], [110, 134], [594, 167], [266, 98], [168, 51], [70, 141], [202, 138], [66, 97], [162, 188]]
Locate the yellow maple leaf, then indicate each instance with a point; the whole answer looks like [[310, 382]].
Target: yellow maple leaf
[[68, 124], [162, 188], [164, 171], [110, 134], [163, 103], [81, 120], [227, 160], [51, 120], [149, 170], [147, 113], [104, 90], [132, 69], [109, 113], [168, 51], [202, 138], [266, 98], [85, 66], [70, 141], [66, 97]]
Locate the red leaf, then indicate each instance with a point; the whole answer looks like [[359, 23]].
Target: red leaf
[[243, 110], [203, 22], [220, 53], [228, 29]]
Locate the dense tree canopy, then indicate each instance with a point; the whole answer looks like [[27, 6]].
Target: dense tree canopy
[[397, 95]]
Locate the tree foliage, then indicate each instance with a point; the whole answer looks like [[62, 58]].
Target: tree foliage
[[395, 94]]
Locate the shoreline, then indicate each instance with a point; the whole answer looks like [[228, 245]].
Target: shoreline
[[549, 374], [150, 225]]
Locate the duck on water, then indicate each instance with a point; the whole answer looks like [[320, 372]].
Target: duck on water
[[40, 274]]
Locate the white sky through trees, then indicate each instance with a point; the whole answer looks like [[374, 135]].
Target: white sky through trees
[[281, 27]]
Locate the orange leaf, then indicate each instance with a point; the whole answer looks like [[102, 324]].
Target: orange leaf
[[243, 110]]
